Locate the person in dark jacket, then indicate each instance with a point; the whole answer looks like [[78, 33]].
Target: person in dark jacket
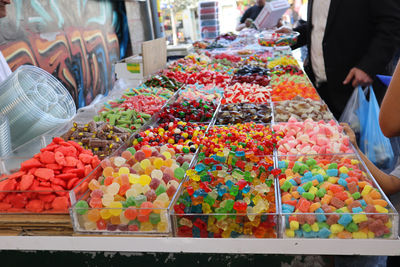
[[250, 15], [349, 42]]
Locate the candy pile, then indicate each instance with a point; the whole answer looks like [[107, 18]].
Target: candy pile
[[181, 136], [252, 138], [100, 137], [164, 82], [148, 104], [248, 70], [42, 183], [134, 191], [231, 193], [301, 109], [199, 91], [287, 90], [188, 110], [158, 92], [310, 137], [331, 198], [244, 112], [282, 61], [246, 92], [228, 57], [253, 78], [127, 119]]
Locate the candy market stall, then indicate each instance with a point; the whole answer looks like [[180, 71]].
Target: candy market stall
[[228, 150]]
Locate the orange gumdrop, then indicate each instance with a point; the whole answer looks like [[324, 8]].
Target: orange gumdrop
[[93, 215]]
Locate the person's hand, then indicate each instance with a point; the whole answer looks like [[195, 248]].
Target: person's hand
[[284, 29], [248, 22], [350, 133], [358, 77]]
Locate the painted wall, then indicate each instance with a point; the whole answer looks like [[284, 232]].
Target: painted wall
[[75, 40]]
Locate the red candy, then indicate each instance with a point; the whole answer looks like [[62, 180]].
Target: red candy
[[48, 176]]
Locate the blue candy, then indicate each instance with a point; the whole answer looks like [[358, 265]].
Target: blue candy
[[320, 216], [229, 184], [344, 175], [363, 203], [357, 210], [324, 233], [281, 164], [293, 182], [299, 233], [345, 219], [342, 182], [307, 175], [288, 208], [332, 172], [300, 190], [246, 189], [319, 178], [200, 167]]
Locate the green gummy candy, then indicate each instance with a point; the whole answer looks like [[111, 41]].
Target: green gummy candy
[[154, 218], [321, 192], [296, 167], [323, 225], [286, 186], [352, 227], [311, 162], [229, 204], [209, 200], [308, 196], [132, 150], [333, 166], [356, 195], [179, 173], [81, 207], [130, 201], [160, 189], [307, 186], [306, 227]]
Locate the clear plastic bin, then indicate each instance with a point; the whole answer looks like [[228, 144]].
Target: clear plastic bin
[[361, 211]]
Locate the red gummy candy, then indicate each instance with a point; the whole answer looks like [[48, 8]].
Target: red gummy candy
[[59, 157], [44, 173], [30, 163], [60, 203], [16, 175], [26, 182], [35, 205], [47, 157]]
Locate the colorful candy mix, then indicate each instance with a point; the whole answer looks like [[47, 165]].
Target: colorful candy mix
[[181, 136], [134, 191], [193, 111], [234, 196], [252, 138], [331, 197]]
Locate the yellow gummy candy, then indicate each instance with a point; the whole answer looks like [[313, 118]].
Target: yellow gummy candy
[[389, 224], [289, 233], [105, 214], [360, 235], [294, 225], [343, 169], [371, 235], [315, 227], [366, 190], [123, 170], [144, 179], [333, 180], [336, 228], [313, 190], [358, 218], [134, 178], [380, 209], [115, 208]]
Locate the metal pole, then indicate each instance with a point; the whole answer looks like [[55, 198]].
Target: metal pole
[[150, 18]]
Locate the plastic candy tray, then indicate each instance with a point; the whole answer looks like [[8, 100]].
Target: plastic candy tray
[[350, 217]]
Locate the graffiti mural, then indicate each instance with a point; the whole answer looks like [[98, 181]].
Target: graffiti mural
[[75, 40]]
